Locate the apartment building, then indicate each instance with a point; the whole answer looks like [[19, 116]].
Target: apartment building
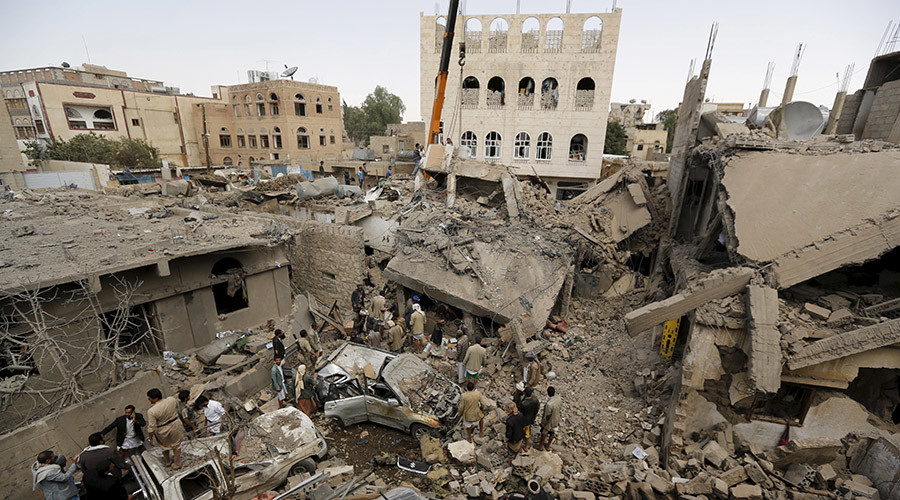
[[533, 92]]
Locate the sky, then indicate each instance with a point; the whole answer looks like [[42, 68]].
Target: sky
[[356, 45]]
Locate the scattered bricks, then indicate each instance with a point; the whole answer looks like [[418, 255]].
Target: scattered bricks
[[755, 473], [797, 474], [860, 490], [825, 474], [715, 454], [816, 311], [840, 317], [659, 484], [611, 473], [746, 492], [811, 451], [720, 489], [734, 476]]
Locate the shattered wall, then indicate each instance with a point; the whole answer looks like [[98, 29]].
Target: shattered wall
[[848, 113], [686, 129], [328, 261], [885, 112]]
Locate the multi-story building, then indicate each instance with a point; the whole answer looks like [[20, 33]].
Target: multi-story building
[[534, 91], [279, 121], [646, 141], [398, 138]]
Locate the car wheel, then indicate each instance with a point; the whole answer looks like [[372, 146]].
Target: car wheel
[[419, 430], [307, 465]]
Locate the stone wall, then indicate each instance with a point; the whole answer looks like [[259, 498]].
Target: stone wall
[[848, 113], [328, 261], [884, 113], [66, 433]]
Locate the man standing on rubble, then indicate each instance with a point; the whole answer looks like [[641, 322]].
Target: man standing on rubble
[[305, 350], [279, 387], [304, 391], [550, 420], [186, 411], [358, 299], [395, 334], [321, 168], [129, 435], [515, 431], [417, 327], [346, 177], [462, 347], [529, 409], [214, 411], [471, 408], [377, 308], [278, 344], [534, 371], [164, 426], [474, 360], [102, 470], [417, 157]]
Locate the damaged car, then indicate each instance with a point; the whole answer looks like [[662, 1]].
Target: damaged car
[[358, 383], [266, 451]]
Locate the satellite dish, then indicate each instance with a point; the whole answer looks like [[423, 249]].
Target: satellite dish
[[65, 65], [289, 72]]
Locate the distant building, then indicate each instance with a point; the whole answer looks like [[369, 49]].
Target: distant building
[[647, 141], [628, 115], [398, 138], [279, 122], [534, 91]]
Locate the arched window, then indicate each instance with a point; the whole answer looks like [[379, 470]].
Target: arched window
[[549, 93], [318, 105], [584, 94], [299, 97], [499, 34], [554, 35], [526, 93], [247, 98], [302, 138], [241, 142], [273, 105], [224, 130], [522, 146], [492, 143], [496, 92], [470, 89], [224, 138], [230, 294], [276, 138], [544, 146], [103, 114], [264, 138], [531, 34], [259, 97], [300, 105], [273, 96], [473, 35], [227, 161], [440, 27], [470, 140], [578, 148], [590, 38], [72, 112]]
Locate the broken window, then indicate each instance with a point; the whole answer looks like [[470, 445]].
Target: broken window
[[789, 405], [531, 34], [470, 140], [199, 483], [544, 146], [496, 92], [227, 161], [261, 109], [231, 294], [385, 149], [492, 145], [526, 93], [578, 148], [554, 35], [499, 33], [302, 138], [440, 27], [473, 35], [590, 36], [549, 93], [470, 89], [640, 146], [522, 146], [584, 94]]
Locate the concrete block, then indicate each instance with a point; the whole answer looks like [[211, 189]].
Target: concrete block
[[825, 474], [812, 451], [659, 484], [843, 345], [840, 317], [860, 490], [734, 476], [715, 454], [249, 382], [816, 311], [176, 188], [746, 492], [755, 473]]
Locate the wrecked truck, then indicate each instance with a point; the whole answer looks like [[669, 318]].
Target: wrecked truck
[[358, 383], [267, 450]]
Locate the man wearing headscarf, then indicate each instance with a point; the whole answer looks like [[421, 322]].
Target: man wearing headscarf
[[417, 327]]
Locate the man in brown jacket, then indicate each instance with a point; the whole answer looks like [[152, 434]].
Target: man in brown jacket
[[471, 408]]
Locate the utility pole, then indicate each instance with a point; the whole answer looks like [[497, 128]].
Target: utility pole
[[206, 141]]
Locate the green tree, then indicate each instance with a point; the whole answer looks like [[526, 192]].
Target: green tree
[[370, 118], [94, 148], [616, 140], [669, 119]]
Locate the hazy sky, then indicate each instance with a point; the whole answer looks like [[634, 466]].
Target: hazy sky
[[358, 44]]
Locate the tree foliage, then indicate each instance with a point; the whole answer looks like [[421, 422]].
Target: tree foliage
[[616, 140], [669, 119], [93, 148], [370, 118]]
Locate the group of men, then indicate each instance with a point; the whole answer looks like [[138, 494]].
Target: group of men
[[103, 468], [304, 373]]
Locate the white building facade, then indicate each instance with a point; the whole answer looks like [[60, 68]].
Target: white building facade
[[533, 93]]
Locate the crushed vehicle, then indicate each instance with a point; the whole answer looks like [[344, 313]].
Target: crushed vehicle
[[267, 450], [358, 383]]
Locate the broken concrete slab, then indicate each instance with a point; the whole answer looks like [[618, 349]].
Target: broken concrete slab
[[816, 311], [715, 285], [230, 359], [765, 339], [840, 317], [810, 451], [746, 492], [637, 193], [462, 451], [176, 188], [880, 462], [840, 346], [348, 214]]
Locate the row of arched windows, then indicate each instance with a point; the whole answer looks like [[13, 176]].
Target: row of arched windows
[[531, 30], [543, 150], [525, 95], [273, 107], [249, 140]]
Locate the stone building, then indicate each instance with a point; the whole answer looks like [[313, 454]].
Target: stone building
[[398, 138], [534, 91], [646, 141], [277, 121]]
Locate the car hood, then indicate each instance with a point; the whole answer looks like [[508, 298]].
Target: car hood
[[286, 429]]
